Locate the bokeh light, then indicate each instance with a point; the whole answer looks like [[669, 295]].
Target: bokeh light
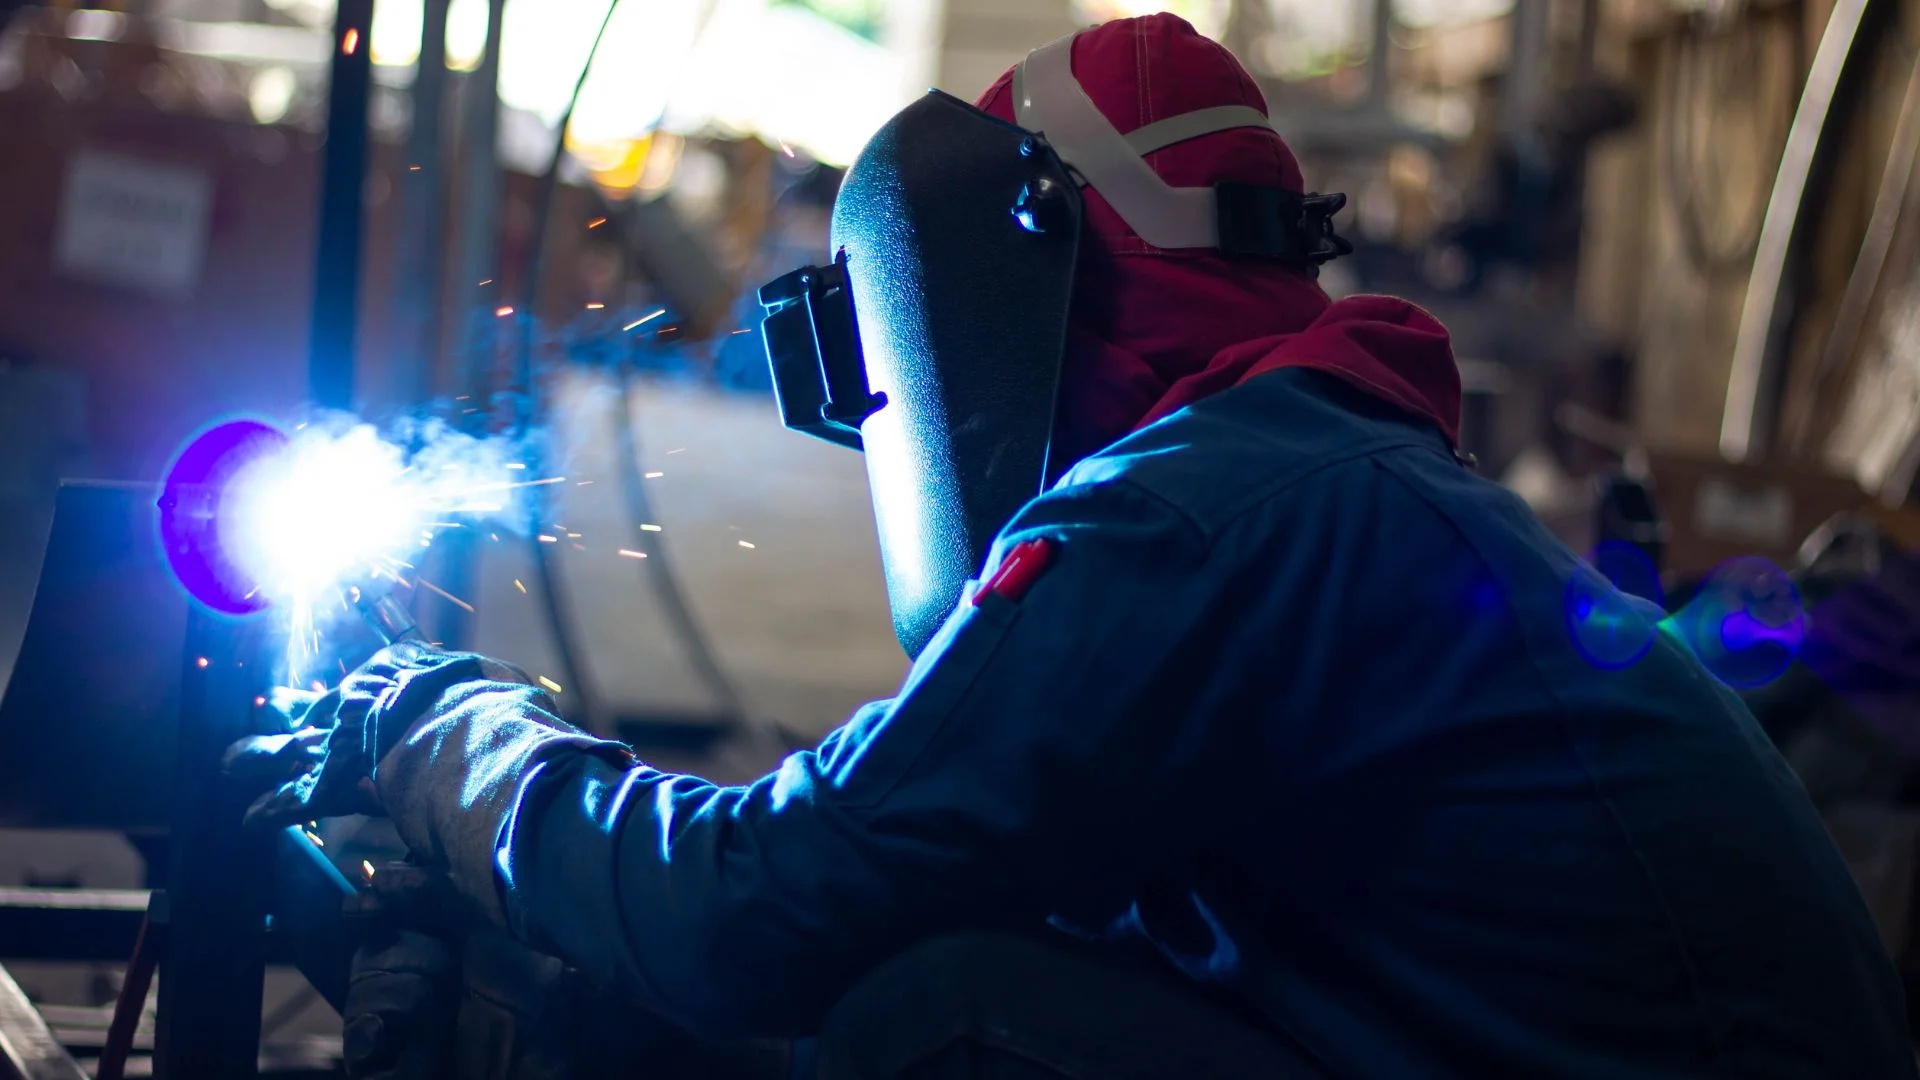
[[1606, 625], [1746, 624]]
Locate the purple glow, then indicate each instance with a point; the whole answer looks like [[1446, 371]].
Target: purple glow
[[200, 553]]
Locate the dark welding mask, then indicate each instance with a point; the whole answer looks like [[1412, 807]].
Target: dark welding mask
[[933, 340]]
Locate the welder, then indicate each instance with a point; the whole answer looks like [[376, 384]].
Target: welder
[[1229, 673]]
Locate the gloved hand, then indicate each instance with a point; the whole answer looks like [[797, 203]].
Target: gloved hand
[[358, 721], [440, 742], [402, 1001], [437, 994]]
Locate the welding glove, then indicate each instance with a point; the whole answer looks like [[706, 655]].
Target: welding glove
[[441, 743], [402, 1002]]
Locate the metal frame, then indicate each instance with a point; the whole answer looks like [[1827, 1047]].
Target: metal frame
[[213, 976], [336, 279]]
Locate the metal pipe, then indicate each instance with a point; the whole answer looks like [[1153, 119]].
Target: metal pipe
[[477, 261], [419, 266], [336, 277], [1526, 66], [1757, 344], [1897, 197], [1380, 59]]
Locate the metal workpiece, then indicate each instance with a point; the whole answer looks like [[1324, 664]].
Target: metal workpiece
[[28, 1048], [213, 976]]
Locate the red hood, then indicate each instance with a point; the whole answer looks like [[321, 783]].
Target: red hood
[[1153, 330]]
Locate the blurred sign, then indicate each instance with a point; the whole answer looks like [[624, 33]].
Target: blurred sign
[[1718, 510], [134, 223]]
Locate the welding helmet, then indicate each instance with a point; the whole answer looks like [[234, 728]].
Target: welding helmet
[[934, 338]]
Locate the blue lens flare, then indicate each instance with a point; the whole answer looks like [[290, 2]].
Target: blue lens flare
[[1608, 627], [1747, 624], [197, 527]]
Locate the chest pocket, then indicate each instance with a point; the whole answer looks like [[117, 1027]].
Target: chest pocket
[[940, 681]]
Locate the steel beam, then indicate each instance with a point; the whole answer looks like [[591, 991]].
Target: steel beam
[[70, 924]]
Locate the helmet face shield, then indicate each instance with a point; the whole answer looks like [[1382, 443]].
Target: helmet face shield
[[934, 340]]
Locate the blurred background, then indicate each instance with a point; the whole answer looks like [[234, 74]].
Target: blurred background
[[1675, 241]]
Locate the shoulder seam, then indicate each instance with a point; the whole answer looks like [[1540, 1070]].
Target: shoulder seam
[[1309, 469]]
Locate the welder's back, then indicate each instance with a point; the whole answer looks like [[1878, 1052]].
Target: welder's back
[[1453, 843]]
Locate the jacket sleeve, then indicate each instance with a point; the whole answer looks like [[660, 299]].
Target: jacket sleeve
[[1021, 763]]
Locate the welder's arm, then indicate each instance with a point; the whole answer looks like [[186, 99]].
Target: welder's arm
[[1019, 764]]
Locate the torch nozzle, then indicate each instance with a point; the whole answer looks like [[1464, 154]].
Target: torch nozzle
[[388, 616]]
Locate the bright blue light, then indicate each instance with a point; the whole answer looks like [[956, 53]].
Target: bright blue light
[[1747, 623], [1606, 625], [196, 523]]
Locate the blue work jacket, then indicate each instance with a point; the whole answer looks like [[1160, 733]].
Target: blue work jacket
[[1295, 702]]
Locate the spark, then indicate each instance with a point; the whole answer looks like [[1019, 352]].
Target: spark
[[510, 485], [595, 305], [596, 223], [517, 585], [318, 686], [259, 701], [201, 662], [351, 42], [787, 150], [682, 450], [343, 667], [486, 281], [550, 684], [545, 539], [315, 837], [744, 544], [579, 547], [649, 528], [503, 311], [413, 168], [632, 554], [583, 483], [366, 867], [447, 595], [742, 330], [573, 536], [644, 319], [517, 465], [655, 475], [495, 537]]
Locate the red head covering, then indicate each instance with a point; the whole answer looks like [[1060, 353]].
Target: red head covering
[[1153, 330]]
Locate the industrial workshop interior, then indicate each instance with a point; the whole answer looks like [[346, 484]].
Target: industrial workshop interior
[[922, 539]]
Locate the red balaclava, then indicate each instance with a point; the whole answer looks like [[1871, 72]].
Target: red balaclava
[[1153, 330]]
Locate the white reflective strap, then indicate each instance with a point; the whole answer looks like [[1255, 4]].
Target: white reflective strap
[[1049, 100], [1191, 125]]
